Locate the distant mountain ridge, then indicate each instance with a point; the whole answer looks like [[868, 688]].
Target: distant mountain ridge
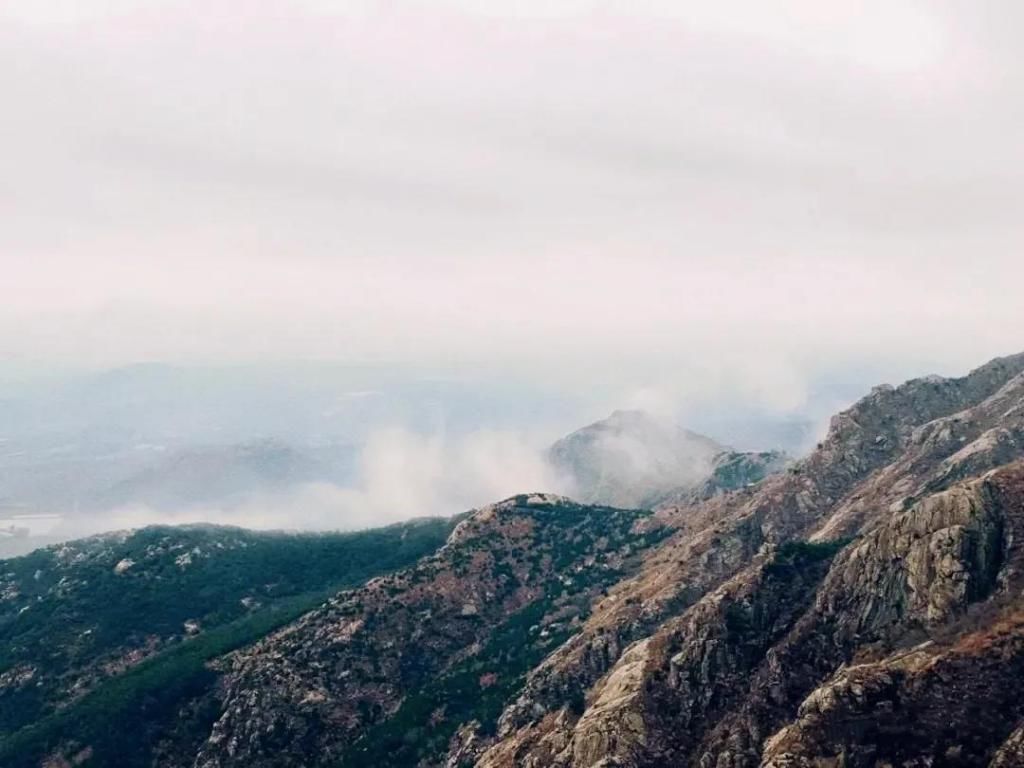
[[216, 474], [630, 455], [730, 471]]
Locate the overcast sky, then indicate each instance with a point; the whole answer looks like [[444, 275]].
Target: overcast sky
[[608, 184]]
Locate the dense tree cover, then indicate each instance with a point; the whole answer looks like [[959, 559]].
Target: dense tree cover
[[801, 554], [122, 716], [77, 604]]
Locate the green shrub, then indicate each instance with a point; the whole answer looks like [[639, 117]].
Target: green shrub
[[802, 554]]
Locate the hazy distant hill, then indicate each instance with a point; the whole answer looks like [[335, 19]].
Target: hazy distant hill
[[629, 456], [730, 471], [217, 474], [78, 443]]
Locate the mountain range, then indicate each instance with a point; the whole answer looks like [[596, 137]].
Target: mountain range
[[860, 606]]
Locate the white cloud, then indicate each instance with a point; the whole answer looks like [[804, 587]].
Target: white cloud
[[402, 475], [512, 185]]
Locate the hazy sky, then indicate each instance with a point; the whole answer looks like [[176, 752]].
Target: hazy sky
[[603, 184]]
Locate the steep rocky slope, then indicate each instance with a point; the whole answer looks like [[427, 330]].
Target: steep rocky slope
[[737, 617], [869, 584]]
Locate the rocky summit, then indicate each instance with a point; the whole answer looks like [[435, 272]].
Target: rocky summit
[[860, 607]]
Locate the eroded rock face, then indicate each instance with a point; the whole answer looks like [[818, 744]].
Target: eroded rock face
[[923, 565], [879, 595], [612, 729], [942, 704]]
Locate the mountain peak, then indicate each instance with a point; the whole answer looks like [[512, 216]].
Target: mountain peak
[[631, 456], [628, 417]]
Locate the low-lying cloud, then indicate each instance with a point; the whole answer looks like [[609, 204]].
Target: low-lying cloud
[[401, 474], [582, 190]]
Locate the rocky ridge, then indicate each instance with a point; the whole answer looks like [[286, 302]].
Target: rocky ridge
[[709, 615], [319, 685]]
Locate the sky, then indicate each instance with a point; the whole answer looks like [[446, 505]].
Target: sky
[[737, 193]]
